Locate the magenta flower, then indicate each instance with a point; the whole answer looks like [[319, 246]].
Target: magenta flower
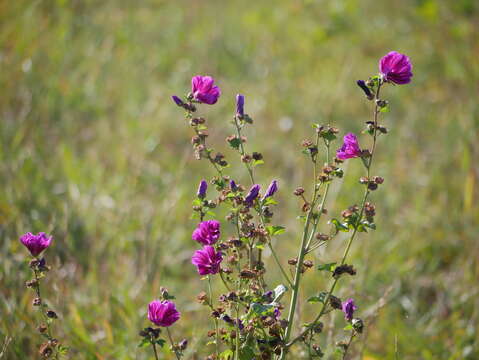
[[36, 243], [396, 68], [349, 308], [350, 148], [271, 190], [207, 232], [203, 89], [163, 313], [207, 260]]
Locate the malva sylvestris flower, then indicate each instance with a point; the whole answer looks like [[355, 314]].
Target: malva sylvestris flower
[[396, 68], [202, 189], [163, 313], [240, 105], [207, 232], [252, 195], [207, 260], [348, 308], [350, 148], [204, 90], [36, 243], [271, 190]]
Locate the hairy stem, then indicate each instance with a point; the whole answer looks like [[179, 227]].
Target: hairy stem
[[172, 344]]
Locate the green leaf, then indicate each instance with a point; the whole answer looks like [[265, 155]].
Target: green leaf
[[258, 309], [384, 109], [327, 267], [246, 353], [259, 246], [160, 342], [348, 327], [144, 342], [269, 201], [339, 226], [227, 354], [255, 163], [275, 230], [321, 297], [235, 143]]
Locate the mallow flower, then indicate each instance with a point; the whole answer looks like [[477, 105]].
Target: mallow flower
[[240, 105], [272, 188], [204, 90], [252, 195], [202, 189], [36, 243], [350, 148], [207, 260], [163, 313], [348, 308], [396, 68], [207, 232]]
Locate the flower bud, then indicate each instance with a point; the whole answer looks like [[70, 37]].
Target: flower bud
[[299, 191]]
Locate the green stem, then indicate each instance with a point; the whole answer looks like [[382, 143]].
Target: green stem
[[353, 235], [154, 350]]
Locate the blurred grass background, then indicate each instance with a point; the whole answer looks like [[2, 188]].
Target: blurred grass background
[[94, 151]]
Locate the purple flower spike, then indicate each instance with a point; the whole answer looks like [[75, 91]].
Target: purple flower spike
[[207, 260], [252, 195], [350, 148], [207, 232], [202, 189], [177, 100], [36, 243], [163, 313], [204, 90], [272, 188], [240, 105], [233, 186], [396, 68], [349, 308]]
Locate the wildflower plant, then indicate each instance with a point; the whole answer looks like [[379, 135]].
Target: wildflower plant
[[253, 318], [36, 244]]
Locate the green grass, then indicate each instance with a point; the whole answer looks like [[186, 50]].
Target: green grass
[[93, 150]]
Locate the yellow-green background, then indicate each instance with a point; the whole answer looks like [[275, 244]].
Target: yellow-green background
[[94, 151]]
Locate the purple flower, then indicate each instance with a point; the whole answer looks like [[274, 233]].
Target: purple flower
[[272, 188], [252, 195], [36, 243], [207, 232], [202, 189], [350, 148], [233, 186], [207, 260], [240, 105], [177, 100], [396, 68], [203, 89], [163, 313], [348, 308]]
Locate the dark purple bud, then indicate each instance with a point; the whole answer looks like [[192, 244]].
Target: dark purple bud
[[233, 186], [252, 195], [366, 89], [272, 188], [240, 105], [202, 189], [177, 100]]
